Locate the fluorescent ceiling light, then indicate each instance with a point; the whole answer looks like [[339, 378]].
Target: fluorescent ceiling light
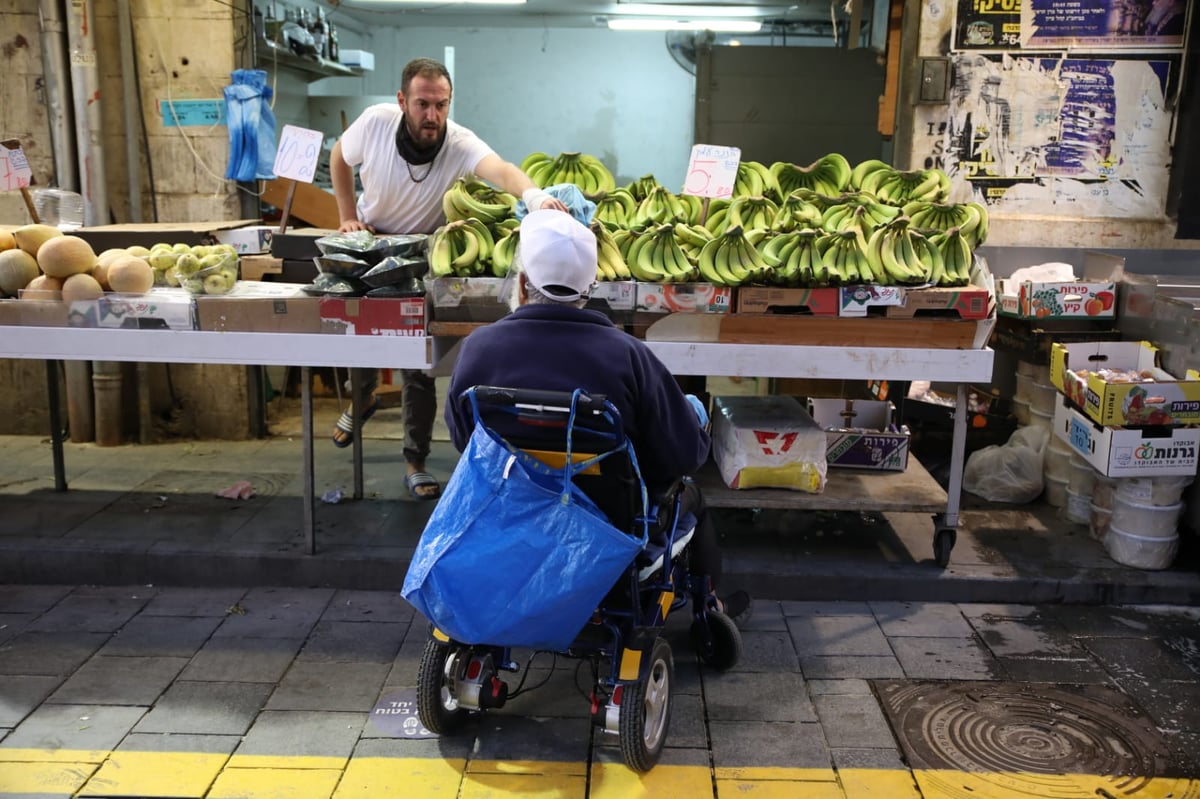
[[714, 25], [446, 2], [668, 10]]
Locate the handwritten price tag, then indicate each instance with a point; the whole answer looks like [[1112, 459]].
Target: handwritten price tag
[[14, 167], [712, 170], [298, 151]]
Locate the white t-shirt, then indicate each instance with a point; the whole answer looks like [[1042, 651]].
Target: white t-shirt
[[391, 201]]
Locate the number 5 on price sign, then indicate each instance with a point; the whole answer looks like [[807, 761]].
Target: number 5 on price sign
[[711, 172], [296, 160]]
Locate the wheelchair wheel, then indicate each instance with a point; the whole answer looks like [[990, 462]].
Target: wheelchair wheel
[[437, 706], [717, 640], [646, 711]]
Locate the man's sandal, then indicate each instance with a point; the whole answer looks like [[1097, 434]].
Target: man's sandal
[[345, 425], [418, 480]]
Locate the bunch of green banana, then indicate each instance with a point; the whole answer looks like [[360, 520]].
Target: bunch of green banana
[[616, 208], [505, 252], [793, 257], [898, 254], [828, 175], [752, 211], [899, 187], [957, 255], [844, 259], [461, 248], [931, 217], [642, 187], [795, 213], [692, 238], [504, 227], [755, 179], [474, 199], [656, 257], [693, 207], [859, 214], [610, 264], [659, 207], [731, 259], [585, 171], [861, 170]]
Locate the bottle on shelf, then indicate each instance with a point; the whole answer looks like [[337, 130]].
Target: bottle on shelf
[[333, 43], [320, 34]]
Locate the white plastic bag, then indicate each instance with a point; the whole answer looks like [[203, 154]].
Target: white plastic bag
[[1011, 472]]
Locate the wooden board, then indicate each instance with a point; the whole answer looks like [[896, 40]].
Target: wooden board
[[847, 331], [312, 205], [914, 490]]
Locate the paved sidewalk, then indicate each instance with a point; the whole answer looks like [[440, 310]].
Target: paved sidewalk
[[141, 691]]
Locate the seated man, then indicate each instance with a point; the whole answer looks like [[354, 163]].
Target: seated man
[[550, 342]]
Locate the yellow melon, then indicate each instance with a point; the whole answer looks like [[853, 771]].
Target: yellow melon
[[30, 238], [130, 274], [17, 268], [81, 287], [43, 287], [65, 256], [7, 242]]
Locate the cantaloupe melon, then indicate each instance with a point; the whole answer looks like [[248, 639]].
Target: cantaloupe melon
[[64, 256], [30, 238], [130, 274], [103, 261], [43, 287], [7, 242], [17, 268], [81, 287]]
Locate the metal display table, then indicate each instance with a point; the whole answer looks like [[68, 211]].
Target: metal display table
[[307, 350]]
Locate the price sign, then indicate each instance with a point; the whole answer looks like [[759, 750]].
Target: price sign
[[298, 151], [14, 167], [712, 170]]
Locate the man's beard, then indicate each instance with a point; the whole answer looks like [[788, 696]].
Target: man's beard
[[419, 137]]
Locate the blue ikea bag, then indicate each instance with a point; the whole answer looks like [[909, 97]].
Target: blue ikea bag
[[515, 554]]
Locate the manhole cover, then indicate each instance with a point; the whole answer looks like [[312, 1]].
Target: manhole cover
[[1008, 740]]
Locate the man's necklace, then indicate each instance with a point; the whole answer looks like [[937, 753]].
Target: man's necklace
[[421, 179]]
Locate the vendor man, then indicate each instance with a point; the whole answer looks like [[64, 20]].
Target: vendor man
[[408, 155]]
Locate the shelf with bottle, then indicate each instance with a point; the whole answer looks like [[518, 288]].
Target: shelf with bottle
[[301, 41]]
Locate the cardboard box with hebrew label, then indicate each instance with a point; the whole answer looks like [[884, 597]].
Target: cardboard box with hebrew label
[[1121, 383], [1092, 296], [861, 434], [1129, 452]]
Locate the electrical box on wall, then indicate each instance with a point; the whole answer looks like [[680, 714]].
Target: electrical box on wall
[[935, 80]]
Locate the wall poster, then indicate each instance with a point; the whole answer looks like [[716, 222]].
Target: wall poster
[[1062, 136], [1108, 24], [987, 25], [1059, 24]]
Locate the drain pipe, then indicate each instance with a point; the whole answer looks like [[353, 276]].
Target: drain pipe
[[133, 159], [55, 66], [85, 90]]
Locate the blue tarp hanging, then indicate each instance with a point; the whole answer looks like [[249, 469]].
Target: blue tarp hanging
[[251, 126]]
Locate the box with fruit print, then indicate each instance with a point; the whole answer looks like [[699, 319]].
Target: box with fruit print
[[1121, 383], [1093, 296]]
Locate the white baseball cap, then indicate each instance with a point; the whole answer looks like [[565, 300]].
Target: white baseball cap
[[558, 255]]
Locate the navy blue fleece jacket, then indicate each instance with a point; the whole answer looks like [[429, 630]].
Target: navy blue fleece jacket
[[561, 348]]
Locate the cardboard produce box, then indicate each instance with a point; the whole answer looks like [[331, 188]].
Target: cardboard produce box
[[1094, 375], [250, 240], [253, 307], [1092, 296], [467, 299], [1129, 452], [147, 234], [796, 301], [684, 298], [861, 434], [373, 316], [768, 442], [615, 299], [157, 309]]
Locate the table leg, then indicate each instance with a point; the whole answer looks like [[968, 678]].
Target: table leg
[[957, 457], [60, 472], [306, 431], [357, 402]]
